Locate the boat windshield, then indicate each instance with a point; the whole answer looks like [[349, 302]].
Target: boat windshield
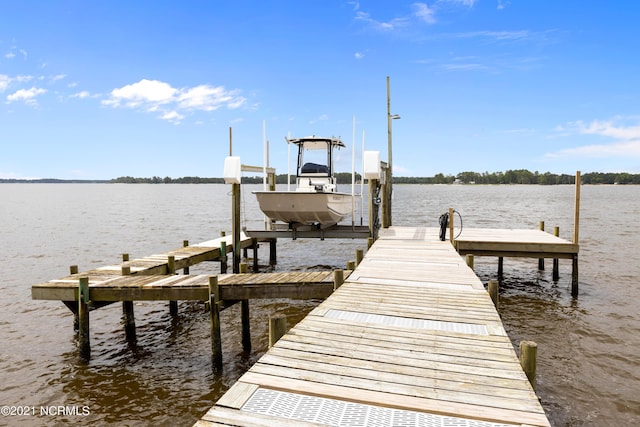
[[314, 160]]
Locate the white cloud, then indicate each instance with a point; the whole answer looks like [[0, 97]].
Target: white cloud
[[154, 95], [28, 96], [82, 95], [625, 140], [359, 55], [422, 12], [467, 3], [321, 118], [391, 25], [10, 55], [4, 82]]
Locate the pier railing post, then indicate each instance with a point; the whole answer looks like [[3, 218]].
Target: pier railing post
[[359, 256], [451, 210], [216, 340], [83, 318], [185, 244], [528, 360]]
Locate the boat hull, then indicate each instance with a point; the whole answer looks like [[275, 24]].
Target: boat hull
[[305, 208]]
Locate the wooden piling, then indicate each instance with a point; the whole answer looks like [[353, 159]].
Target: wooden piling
[[541, 260], [359, 256], [500, 267], [171, 267], [235, 206], [216, 338], [351, 265], [244, 315], [254, 246], [73, 269], [125, 257], [277, 328], [576, 229], [494, 292], [528, 360], [338, 278], [470, 261], [185, 244], [272, 252], [556, 261], [129, 320], [84, 341], [223, 257], [369, 242]]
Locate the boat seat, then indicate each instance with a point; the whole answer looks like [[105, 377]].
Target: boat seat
[[314, 168]]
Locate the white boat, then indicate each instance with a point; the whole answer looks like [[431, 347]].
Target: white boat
[[316, 200]]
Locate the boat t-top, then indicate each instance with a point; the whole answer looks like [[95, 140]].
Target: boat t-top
[[316, 200]]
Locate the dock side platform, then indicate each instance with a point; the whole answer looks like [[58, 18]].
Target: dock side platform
[[410, 339]]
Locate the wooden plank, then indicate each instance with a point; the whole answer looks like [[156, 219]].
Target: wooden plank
[[237, 395]]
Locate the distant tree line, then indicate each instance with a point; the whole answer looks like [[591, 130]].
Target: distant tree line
[[519, 176]]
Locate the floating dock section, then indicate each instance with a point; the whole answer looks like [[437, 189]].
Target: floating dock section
[[411, 338]]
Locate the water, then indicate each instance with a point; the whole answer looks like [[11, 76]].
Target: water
[[587, 357]]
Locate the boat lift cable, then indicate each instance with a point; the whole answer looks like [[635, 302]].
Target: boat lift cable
[[444, 225]]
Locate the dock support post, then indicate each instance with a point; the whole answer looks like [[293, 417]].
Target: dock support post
[[500, 267], [185, 244], [254, 245], [470, 261], [235, 195], [277, 328], [272, 252], [359, 256], [128, 317], [244, 315], [216, 339], [556, 262], [351, 265], [528, 356], [494, 292], [83, 318], [574, 276], [541, 260], [171, 267], [223, 257], [338, 278], [73, 269]]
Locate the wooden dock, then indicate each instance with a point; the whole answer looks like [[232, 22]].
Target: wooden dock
[[411, 338]]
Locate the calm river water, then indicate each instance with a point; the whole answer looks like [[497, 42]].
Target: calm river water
[[588, 365]]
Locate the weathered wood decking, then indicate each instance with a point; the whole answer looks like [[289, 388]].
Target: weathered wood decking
[[411, 338]]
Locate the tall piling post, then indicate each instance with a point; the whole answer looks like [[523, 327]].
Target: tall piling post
[[216, 338], [185, 244], [338, 278], [576, 229], [84, 341], [235, 194], [273, 251]]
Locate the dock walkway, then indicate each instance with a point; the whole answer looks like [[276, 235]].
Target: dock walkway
[[411, 338]]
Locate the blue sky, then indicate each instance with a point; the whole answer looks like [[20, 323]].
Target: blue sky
[[101, 89]]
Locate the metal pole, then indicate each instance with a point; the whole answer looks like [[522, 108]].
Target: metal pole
[[390, 155]]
